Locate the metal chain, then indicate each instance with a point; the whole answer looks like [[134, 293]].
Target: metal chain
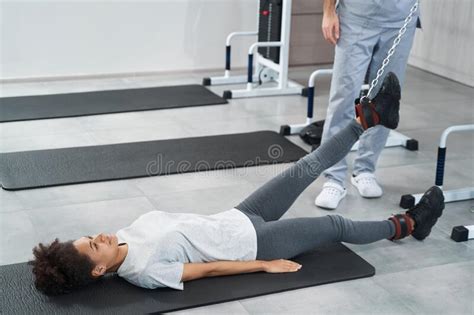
[[391, 51]]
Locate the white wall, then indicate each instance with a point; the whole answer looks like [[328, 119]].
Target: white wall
[[445, 45], [41, 38], [72, 38]]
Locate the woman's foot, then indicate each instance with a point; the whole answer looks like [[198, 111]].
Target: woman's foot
[[419, 220], [426, 212], [384, 108]]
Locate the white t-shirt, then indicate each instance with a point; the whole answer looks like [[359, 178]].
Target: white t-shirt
[[160, 243]]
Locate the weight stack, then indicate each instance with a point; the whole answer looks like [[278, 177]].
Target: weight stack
[[270, 28]]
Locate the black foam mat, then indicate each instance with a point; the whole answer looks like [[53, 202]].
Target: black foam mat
[[113, 295], [103, 102], [42, 168]]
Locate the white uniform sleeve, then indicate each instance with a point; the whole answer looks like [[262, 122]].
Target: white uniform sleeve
[[161, 275]]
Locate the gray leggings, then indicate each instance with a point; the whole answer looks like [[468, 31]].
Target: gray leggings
[[290, 237]]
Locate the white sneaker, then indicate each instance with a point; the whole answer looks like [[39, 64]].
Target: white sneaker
[[367, 185], [330, 196]]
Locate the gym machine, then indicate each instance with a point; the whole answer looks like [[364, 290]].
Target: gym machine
[[408, 201], [459, 233], [395, 138], [270, 54]]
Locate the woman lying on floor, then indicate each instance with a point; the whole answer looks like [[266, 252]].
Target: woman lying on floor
[[163, 249]]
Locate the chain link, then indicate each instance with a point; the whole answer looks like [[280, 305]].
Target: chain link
[[391, 51]]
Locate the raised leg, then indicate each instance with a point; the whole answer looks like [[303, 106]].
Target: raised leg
[[275, 197]]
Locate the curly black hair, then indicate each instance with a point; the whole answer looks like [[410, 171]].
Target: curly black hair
[[59, 268]]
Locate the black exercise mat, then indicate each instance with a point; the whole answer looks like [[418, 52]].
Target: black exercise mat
[[104, 102], [42, 168], [116, 296]]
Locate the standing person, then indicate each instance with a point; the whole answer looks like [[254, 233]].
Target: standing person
[[363, 32]]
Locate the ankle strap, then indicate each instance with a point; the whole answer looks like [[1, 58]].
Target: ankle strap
[[403, 226], [368, 115]]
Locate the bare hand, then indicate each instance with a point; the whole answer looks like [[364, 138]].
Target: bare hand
[[280, 266], [330, 27]]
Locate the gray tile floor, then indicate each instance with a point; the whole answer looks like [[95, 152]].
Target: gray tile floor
[[429, 277]]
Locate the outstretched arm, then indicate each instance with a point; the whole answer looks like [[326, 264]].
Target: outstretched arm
[[193, 271]]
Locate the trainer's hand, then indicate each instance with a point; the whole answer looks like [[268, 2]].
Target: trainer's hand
[[330, 27], [280, 266]]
